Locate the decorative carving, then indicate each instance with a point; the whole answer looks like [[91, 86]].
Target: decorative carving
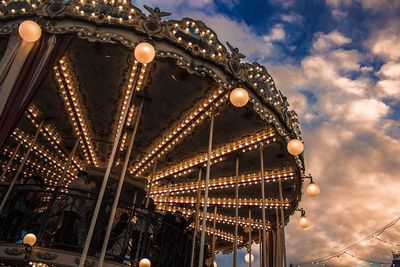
[[152, 24], [234, 60], [14, 251], [46, 256]]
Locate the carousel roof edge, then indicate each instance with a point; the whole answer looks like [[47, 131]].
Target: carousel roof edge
[[189, 35]]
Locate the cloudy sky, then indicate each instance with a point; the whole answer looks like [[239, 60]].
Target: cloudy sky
[[338, 61]]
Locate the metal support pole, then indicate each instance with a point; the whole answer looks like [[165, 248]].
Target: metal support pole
[[104, 184], [213, 236], [260, 262], [196, 222], [153, 174], [250, 241], [69, 161], [283, 242], [119, 188], [3, 175], [278, 240], [203, 229], [264, 247], [234, 254], [21, 167]]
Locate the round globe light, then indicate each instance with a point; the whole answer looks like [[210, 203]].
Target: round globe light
[[249, 257], [239, 97], [312, 189], [29, 31], [29, 239], [295, 147], [304, 222], [145, 53], [144, 263]]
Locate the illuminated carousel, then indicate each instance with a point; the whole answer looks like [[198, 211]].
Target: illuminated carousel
[[127, 139]]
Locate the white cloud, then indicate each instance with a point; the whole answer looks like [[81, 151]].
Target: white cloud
[[328, 41], [276, 34]]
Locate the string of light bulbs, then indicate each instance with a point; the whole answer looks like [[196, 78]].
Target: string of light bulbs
[[324, 260]]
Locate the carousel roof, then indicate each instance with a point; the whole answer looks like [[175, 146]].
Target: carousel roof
[[193, 73]]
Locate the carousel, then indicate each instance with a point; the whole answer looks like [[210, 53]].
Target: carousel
[[130, 139]]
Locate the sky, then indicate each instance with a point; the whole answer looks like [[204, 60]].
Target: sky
[[338, 61]]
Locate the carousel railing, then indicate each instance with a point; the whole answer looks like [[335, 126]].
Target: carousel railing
[[60, 217]]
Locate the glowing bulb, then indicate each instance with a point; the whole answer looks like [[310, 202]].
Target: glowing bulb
[[29, 239], [304, 222], [239, 97], [215, 264], [29, 31], [144, 53], [144, 263], [295, 147], [249, 257], [312, 189]]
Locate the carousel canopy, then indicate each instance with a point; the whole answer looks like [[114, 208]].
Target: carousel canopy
[[86, 96]]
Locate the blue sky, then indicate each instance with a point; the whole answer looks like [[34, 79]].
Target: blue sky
[[338, 61]]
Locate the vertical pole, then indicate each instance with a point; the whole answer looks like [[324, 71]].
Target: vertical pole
[[153, 174], [264, 247], [3, 175], [283, 242], [250, 241], [104, 184], [203, 229], [278, 240], [213, 236], [21, 167], [119, 188], [235, 245], [69, 161], [260, 263], [196, 222]]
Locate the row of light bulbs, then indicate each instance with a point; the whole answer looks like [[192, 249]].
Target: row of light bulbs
[[216, 153], [75, 111], [269, 203], [219, 217], [52, 136], [181, 129], [225, 182]]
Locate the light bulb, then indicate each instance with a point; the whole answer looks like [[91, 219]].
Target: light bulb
[[144, 53], [29, 239], [239, 97], [312, 189], [144, 263], [215, 264], [249, 257], [304, 222], [29, 31], [295, 147]]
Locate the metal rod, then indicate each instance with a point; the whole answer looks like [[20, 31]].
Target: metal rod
[[21, 167], [283, 242], [119, 188], [250, 241], [203, 229], [278, 239], [3, 175], [260, 262], [104, 184], [69, 161], [264, 247], [214, 236], [153, 174], [235, 245], [196, 222]]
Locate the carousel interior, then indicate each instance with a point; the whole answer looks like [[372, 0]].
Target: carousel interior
[[167, 128]]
